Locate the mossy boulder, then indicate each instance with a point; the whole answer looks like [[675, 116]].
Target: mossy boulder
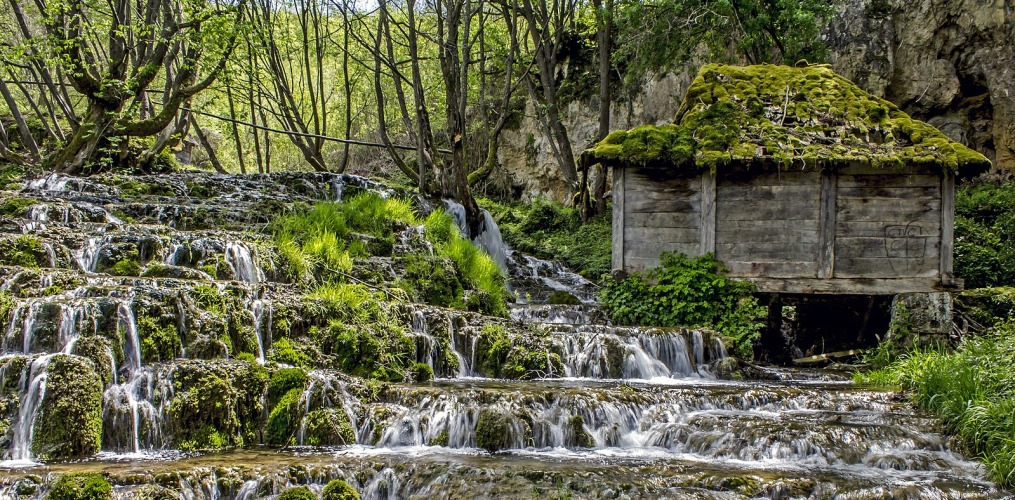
[[81, 486], [297, 493], [97, 349], [338, 489], [560, 297], [160, 341], [328, 427], [69, 424], [284, 419], [576, 433], [24, 251], [494, 430], [282, 381], [215, 404]]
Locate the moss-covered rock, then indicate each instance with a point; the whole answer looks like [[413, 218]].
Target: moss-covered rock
[[69, 424], [24, 251], [783, 115], [297, 493], [284, 419], [214, 404], [493, 429], [328, 427], [282, 381], [561, 297], [421, 373], [98, 350], [81, 486], [16, 207], [159, 341], [338, 489], [577, 434]]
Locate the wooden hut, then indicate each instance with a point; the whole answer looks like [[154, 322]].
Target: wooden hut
[[796, 179]]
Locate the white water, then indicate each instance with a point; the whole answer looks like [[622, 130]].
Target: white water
[[241, 261], [33, 392]]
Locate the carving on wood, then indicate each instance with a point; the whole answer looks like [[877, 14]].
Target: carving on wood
[[906, 247]]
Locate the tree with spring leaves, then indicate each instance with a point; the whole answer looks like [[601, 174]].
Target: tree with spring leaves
[[114, 54]]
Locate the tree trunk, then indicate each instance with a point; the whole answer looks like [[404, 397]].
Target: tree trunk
[[91, 149], [26, 135], [212, 157]]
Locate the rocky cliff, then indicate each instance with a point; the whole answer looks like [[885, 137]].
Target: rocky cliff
[[948, 62]]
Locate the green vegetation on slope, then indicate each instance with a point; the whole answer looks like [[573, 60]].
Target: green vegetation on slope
[[985, 234], [972, 390], [688, 291], [550, 230]]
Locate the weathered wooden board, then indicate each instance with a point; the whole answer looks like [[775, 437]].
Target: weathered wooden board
[[877, 229], [851, 286], [688, 220], [877, 211], [883, 192], [790, 232], [619, 213], [657, 237], [781, 269], [883, 181], [636, 204], [947, 228], [742, 211], [885, 267]]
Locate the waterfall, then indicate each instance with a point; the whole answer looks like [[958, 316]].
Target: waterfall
[[127, 325], [241, 261], [33, 392], [489, 237], [88, 256], [258, 308]]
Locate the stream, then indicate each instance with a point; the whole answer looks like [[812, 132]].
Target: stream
[[628, 413]]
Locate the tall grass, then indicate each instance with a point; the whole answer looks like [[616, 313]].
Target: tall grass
[[972, 390], [477, 269], [319, 241]]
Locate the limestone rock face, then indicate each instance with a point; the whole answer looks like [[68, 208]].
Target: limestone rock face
[[948, 62]]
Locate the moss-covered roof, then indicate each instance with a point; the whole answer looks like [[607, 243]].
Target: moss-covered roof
[[804, 116]]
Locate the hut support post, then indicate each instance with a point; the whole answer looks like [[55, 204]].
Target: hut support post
[[947, 227], [619, 193]]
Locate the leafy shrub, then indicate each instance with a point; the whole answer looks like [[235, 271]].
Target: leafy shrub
[[297, 493], [985, 234], [686, 291]]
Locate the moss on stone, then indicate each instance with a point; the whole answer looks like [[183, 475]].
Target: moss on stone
[[214, 403], [285, 351], [421, 373], [81, 486], [801, 116], [69, 424], [493, 430], [98, 350], [15, 207], [297, 493], [283, 419], [560, 297], [338, 489], [282, 381], [24, 251], [579, 436], [328, 427], [159, 342]]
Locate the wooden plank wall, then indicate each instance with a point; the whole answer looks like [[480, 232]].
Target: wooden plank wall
[[888, 226], [767, 225], [660, 214]]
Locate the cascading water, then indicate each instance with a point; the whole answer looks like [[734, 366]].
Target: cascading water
[[617, 411]]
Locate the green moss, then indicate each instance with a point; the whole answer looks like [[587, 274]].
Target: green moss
[[69, 424], [297, 493], [338, 489], [213, 403], [421, 373], [328, 427], [493, 430], [24, 251], [783, 114], [433, 280], [159, 342], [441, 439], [284, 419], [7, 305], [131, 188], [579, 436], [15, 207], [81, 486], [97, 349], [560, 297], [284, 350], [282, 381]]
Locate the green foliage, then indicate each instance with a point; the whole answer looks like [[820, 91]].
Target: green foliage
[[659, 35], [973, 390], [433, 280], [15, 207], [125, 267], [297, 493], [328, 427], [338, 489], [24, 251], [320, 240], [514, 357], [81, 486], [284, 419], [70, 421], [985, 234], [282, 381], [421, 372], [284, 350], [549, 230], [560, 297], [687, 291], [159, 342]]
